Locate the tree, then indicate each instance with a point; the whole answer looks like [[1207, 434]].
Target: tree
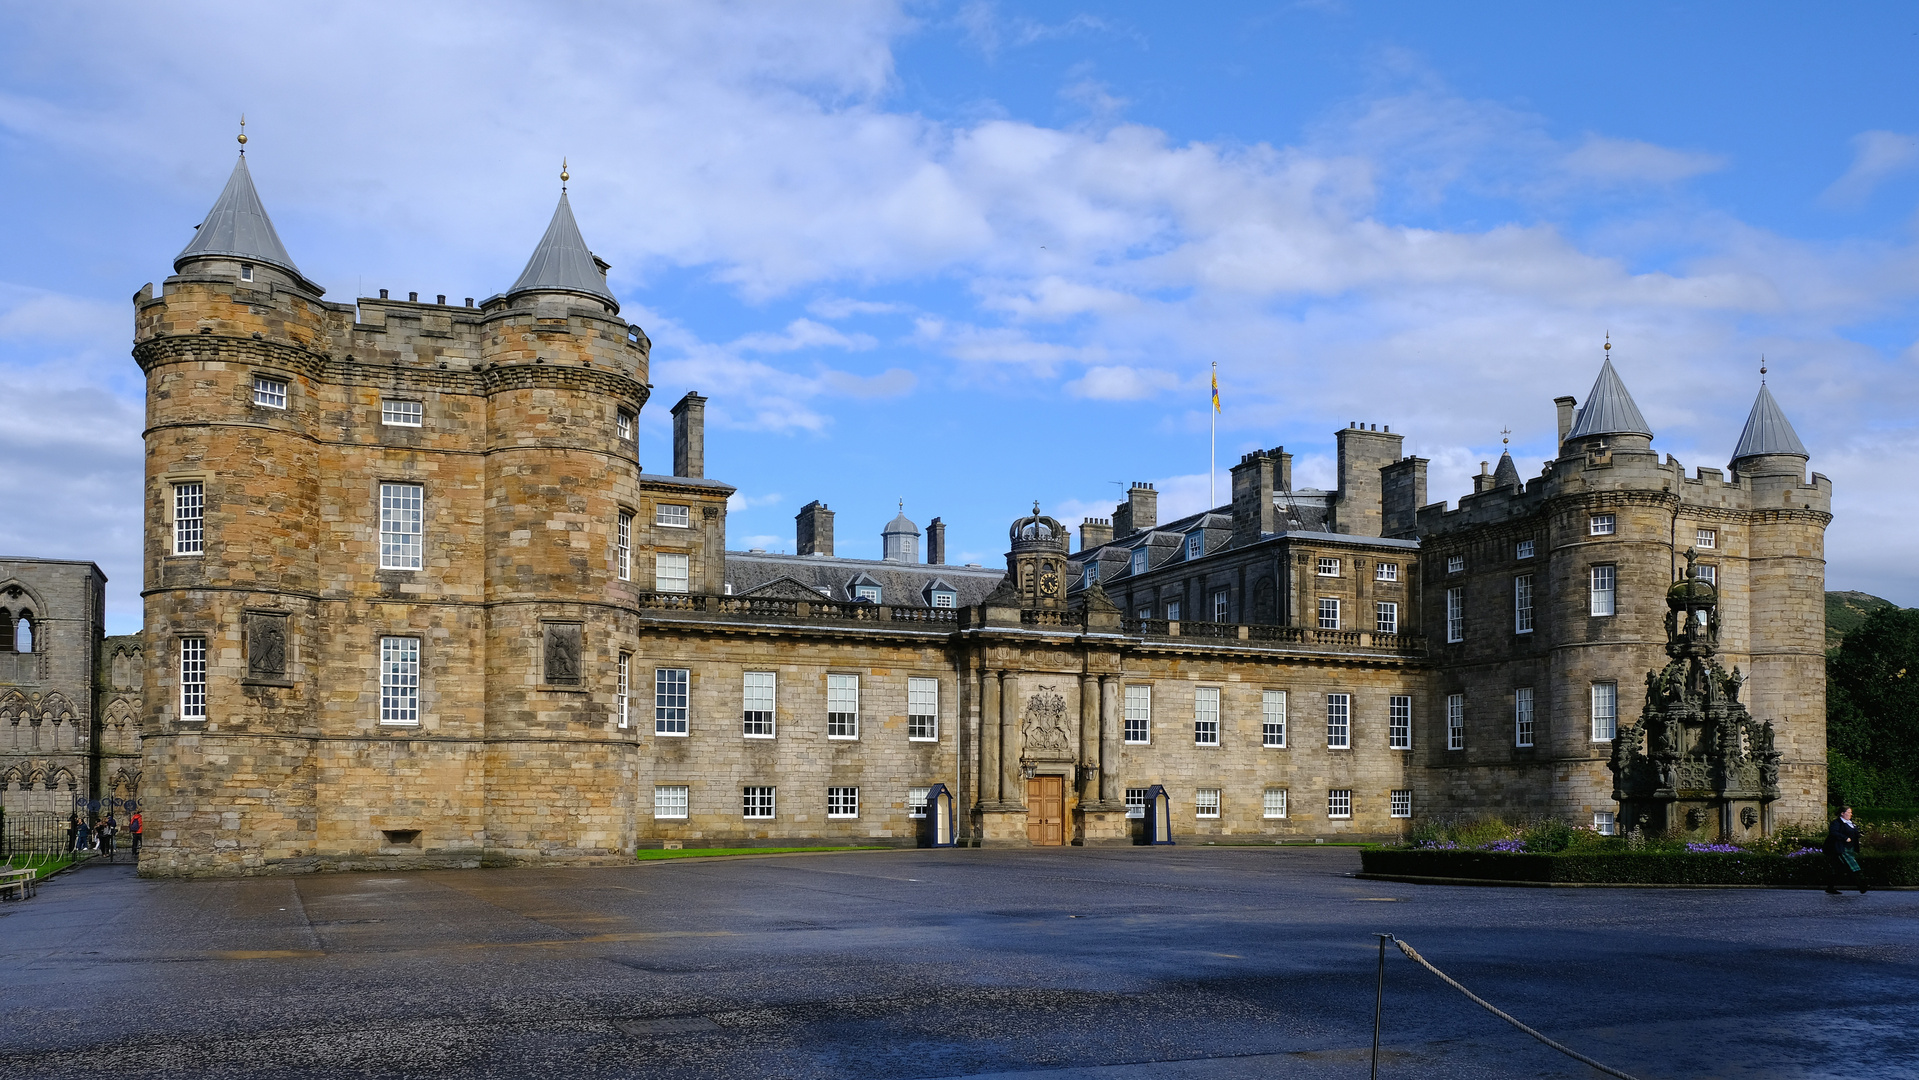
[[1872, 710]]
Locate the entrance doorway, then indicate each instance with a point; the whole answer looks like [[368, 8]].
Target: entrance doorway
[[1046, 811]]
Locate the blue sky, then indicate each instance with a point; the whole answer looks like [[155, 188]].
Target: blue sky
[[971, 255]]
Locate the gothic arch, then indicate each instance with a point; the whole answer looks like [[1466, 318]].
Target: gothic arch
[[56, 704], [126, 783], [59, 776], [26, 633], [12, 779]]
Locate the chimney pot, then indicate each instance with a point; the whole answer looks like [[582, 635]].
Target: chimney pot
[[936, 542], [383, 294], [689, 436], [442, 298], [413, 297]]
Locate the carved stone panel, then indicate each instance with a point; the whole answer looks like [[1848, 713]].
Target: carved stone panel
[[1044, 728], [563, 653], [266, 645]]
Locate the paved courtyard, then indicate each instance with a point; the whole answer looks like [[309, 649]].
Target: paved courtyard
[[1064, 964]]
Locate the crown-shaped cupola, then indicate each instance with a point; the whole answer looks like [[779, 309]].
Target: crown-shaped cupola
[[238, 229], [562, 262]]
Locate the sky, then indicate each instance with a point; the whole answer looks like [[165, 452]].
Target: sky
[[973, 255]]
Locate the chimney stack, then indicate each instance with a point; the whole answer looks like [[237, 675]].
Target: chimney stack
[[1566, 415], [689, 437], [1363, 452], [1139, 511], [1253, 512], [936, 543], [1093, 532], [1484, 481], [814, 529], [1403, 492]]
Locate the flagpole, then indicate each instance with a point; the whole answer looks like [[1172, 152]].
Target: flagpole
[[1212, 469]]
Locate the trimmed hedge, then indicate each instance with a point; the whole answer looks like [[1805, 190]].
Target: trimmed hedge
[[1633, 867]]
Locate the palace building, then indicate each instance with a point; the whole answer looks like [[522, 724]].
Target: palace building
[[411, 600]]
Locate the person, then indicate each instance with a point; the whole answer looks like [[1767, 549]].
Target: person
[[1842, 852], [85, 840], [73, 831], [135, 826], [107, 830]]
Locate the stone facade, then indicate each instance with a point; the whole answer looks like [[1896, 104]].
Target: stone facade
[[53, 690]]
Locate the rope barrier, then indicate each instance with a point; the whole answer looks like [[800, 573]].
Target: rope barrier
[[1489, 1007]]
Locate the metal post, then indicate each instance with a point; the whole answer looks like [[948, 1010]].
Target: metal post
[[1379, 999]]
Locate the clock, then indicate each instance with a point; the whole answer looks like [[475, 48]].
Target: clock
[[1049, 583]]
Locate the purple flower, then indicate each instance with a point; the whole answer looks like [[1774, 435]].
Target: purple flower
[[1722, 849], [1506, 845], [1805, 851]]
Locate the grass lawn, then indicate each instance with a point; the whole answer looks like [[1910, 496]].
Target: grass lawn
[[48, 865], [649, 854]]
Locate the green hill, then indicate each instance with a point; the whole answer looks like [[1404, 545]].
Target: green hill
[[1846, 610]]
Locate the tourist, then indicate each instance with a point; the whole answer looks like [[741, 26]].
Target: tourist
[[107, 831], [1842, 852], [136, 825], [73, 831], [84, 841]]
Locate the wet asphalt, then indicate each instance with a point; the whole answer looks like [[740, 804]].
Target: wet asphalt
[[1186, 963]]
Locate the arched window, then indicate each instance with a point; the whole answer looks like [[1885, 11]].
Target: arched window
[[6, 630], [23, 634]]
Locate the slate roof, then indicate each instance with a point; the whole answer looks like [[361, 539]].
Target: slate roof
[[1768, 431], [1506, 474], [238, 228], [562, 263], [1609, 409], [901, 584]]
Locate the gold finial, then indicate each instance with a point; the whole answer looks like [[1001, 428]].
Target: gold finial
[[564, 176], [1609, 341], [1505, 436], [243, 133], [1762, 369]]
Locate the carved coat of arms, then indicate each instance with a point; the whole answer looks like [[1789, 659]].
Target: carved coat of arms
[[1045, 725]]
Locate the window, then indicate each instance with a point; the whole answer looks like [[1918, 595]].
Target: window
[[868, 593], [1402, 803], [1139, 714], [1206, 803], [1455, 564], [1220, 612], [842, 706], [943, 598], [402, 413], [671, 700], [1272, 718], [1146, 612], [1327, 567], [1523, 604], [671, 515], [1706, 538], [669, 572], [400, 681], [1206, 716], [1172, 611], [756, 803], [1523, 716], [1708, 574], [842, 802], [1603, 822], [922, 709], [1195, 545], [1456, 613], [1604, 579], [623, 701], [1399, 722], [1386, 571], [1274, 802], [1339, 721], [1385, 617], [1136, 802], [1605, 711], [756, 705], [916, 801], [623, 555], [1328, 613], [669, 800], [1339, 803], [246, 271], [402, 526], [1523, 550], [269, 392], [1455, 721], [624, 424], [1092, 574], [193, 678], [1603, 525], [1139, 561], [189, 518]]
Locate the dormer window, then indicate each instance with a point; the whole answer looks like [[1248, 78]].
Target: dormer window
[[868, 593], [1139, 561], [1195, 545], [1092, 574], [246, 271], [945, 598]]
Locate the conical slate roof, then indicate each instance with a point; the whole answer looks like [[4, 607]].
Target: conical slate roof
[[562, 263], [1609, 409], [900, 524], [238, 228], [1506, 474], [1768, 431]]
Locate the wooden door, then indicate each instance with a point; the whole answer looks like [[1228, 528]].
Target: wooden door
[[1046, 811]]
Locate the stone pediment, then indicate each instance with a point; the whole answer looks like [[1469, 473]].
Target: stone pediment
[[784, 588]]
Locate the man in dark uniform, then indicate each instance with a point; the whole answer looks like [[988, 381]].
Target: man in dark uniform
[[1842, 852]]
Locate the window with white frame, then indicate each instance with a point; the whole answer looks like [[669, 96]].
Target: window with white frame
[[1220, 608], [623, 540], [670, 572], [1523, 716], [671, 515], [868, 593], [1456, 613], [916, 801], [1604, 822], [1272, 718], [1707, 574], [1273, 802], [1195, 545], [1339, 803], [1146, 612], [672, 693], [1605, 710], [1091, 577], [1206, 716], [402, 526], [400, 681], [1386, 571], [623, 701], [842, 802], [1172, 611], [1206, 802], [1455, 564], [623, 424], [1139, 714], [1402, 802], [1327, 567], [1523, 549], [269, 392], [1139, 560], [394, 413], [1705, 538], [246, 271], [842, 706], [1455, 721], [1602, 525], [1399, 722], [193, 678], [1339, 721], [1523, 604], [669, 800], [756, 802], [1385, 617], [1329, 613], [1136, 802], [922, 710], [756, 705], [189, 519], [945, 598], [1604, 583]]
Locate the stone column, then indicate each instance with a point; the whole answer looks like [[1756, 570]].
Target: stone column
[[1110, 743], [1009, 745], [1088, 740], [989, 729]]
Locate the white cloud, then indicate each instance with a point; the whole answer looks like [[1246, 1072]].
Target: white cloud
[[802, 334], [1121, 383], [1877, 156], [1610, 160]]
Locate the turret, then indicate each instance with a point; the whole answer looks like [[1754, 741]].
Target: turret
[[900, 540], [1768, 446], [1609, 419], [237, 239]]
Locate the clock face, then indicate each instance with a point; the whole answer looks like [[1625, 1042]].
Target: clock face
[[1049, 583]]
